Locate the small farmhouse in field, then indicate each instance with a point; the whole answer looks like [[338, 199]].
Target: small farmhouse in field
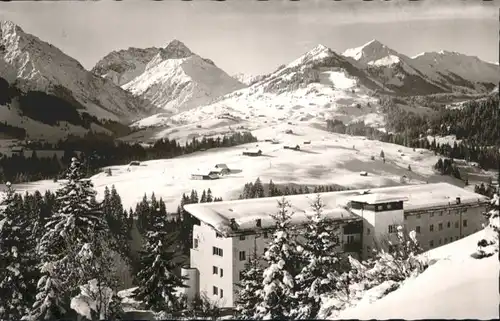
[[223, 169], [205, 175], [296, 147], [134, 163], [253, 153]]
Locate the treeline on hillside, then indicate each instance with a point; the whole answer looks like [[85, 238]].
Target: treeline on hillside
[[51, 108], [411, 130], [67, 240], [257, 189], [475, 121], [101, 150]]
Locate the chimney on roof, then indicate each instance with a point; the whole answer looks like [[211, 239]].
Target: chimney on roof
[[258, 222], [233, 224], [458, 200]]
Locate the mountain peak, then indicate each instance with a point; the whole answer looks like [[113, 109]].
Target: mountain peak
[[371, 51], [7, 26], [175, 50]]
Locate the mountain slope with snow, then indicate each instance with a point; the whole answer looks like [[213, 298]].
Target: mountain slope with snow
[[34, 65], [173, 78], [248, 79], [124, 65], [456, 286], [458, 69], [427, 73], [315, 86], [396, 71]]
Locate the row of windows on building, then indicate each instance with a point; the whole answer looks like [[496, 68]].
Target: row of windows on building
[[440, 213], [242, 255], [393, 228]]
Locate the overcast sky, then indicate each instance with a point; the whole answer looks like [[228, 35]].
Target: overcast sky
[[255, 37]]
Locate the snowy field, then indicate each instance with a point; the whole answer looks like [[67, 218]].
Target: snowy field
[[328, 159], [456, 286]]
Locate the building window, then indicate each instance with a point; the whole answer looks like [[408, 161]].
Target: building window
[[379, 208], [431, 243], [456, 238], [440, 241], [432, 214], [242, 237], [445, 240], [195, 243], [215, 290], [242, 275], [265, 235], [431, 227], [465, 223], [440, 226], [418, 216], [457, 224], [217, 251], [392, 229], [448, 225], [221, 272], [389, 206], [440, 213], [221, 293], [215, 270], [417, 229], [350, 239], [243, 256], [368, 231]]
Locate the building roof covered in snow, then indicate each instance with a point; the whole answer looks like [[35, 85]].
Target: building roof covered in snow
[[245, 213]]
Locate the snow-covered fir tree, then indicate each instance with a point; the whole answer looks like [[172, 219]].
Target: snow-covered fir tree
[[278, 297], [320, 270], [488, 245], [250, 286], [117, 222], [156, 279], [77, 222], [17, 260]]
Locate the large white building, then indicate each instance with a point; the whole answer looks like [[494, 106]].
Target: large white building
[[230, 231]]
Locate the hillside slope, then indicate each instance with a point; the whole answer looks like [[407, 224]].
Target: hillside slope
[[34, 65], [173, 78], [456, 286]]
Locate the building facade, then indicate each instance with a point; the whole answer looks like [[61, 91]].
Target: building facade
[[229, 232]]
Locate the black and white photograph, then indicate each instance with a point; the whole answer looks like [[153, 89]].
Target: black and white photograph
[[251, 160]]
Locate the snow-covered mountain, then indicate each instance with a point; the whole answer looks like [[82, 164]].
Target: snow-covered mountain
[[173, 78], [124, 65], [247, 79], [458, 69], [318, 85], [427, 73], [34, 65]]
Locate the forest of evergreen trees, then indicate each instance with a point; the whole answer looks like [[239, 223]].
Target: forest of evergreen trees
[[257, 189], [476, 124], [36, 225], [99, 151]]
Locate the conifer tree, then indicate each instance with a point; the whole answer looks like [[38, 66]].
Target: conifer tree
[[278, 297], [320, 270], [250, 286], [210, 197], [77, 223], [17, 260], [156, 278]]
